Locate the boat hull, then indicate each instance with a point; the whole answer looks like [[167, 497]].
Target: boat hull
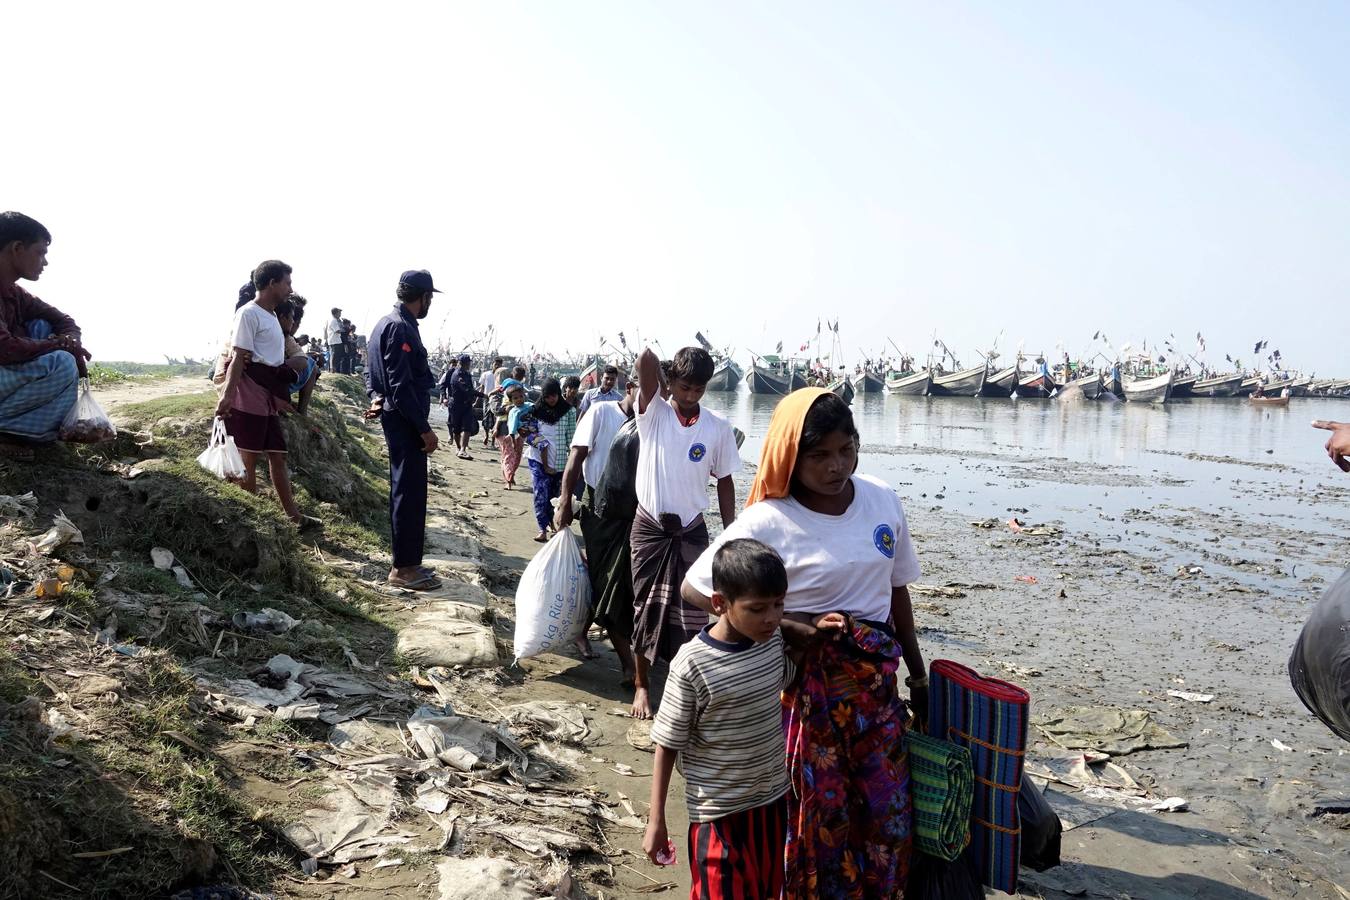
[[913, 385], [1268, 401], [1222, 386], [1184, 387], [1002, 383], [765, 381], [868, 383], [1149, 390], [1090, 385], [966, 383], [841, 388], [1036, 387], [726, 376]]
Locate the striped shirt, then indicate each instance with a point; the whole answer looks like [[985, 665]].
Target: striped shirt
[[722, 713]]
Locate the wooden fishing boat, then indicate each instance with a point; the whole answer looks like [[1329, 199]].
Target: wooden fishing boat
[[726, 375], [1218, 386], [1149, 390], [1038, 385], [842, 388], [910, 384], [869, 381], [1003, 382], [966, 383], [1090, 385], [1268, 401], [1248, 385], [1184, 386], [773, 379]]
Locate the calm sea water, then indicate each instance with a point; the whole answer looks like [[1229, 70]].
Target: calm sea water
[[1228, 467]]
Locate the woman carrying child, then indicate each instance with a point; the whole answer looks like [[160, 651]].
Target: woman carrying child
[[845, 544]]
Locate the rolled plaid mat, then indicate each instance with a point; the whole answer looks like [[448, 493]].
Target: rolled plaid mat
[[989, 718], [940, 782]]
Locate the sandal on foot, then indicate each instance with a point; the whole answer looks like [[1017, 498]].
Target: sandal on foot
[[424, 583]]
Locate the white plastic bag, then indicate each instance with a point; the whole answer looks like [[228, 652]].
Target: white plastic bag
[[87, 423], [221, 457], [553, 598]]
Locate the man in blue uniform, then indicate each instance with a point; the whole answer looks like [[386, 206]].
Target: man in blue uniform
[[399, 383]]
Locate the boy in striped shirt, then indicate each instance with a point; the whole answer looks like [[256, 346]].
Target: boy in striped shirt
[[721, 722]]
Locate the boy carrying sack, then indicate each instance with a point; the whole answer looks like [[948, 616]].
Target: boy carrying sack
[[721, 722]]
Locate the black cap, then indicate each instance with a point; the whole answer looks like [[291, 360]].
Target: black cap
[[418, 278]]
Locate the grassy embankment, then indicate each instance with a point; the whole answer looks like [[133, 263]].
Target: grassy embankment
[[154, 797]]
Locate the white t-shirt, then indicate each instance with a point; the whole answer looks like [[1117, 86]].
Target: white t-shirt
[[258, 331], [845, 563], [596, 432], [675, 462], [334, 331], [487, 382]]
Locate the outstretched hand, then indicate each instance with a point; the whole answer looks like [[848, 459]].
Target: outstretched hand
[[1338, 445], [831, 621]]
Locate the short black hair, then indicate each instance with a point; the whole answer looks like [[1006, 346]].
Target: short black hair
[[15, 226], [692, 364], [550, 387], [611, 370], [409, 294], [518, 373], [748, 568], [496, 362], [828, 414], [571, 381], [247, 294], [285, 308], [334, 312], [268, 271]]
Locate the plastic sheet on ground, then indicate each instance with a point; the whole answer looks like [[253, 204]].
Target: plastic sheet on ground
[[1106, 729], [298, 696], [538, 840], [23, 506], [347, 824], [265, 621], [449, 634], [463, 743], [485, 876], [62, 532], [552, 719]]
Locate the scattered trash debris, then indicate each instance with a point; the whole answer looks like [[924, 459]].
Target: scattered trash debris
[[1281, 745], [62, 532], [1026, 579], [268, 621], [1171, 804], [1191, 697], [161, 559], [464, 743], [639, 736], [23, 506], [552, 719]]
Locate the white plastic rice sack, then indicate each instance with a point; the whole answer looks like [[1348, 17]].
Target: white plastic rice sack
[[553, 598]]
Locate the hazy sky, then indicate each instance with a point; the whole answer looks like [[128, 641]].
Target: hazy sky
[[571, 170]]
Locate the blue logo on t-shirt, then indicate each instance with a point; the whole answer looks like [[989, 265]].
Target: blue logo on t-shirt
[[884, 538], [697, 452]]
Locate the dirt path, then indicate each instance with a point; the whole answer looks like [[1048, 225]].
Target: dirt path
[[1102, 626]]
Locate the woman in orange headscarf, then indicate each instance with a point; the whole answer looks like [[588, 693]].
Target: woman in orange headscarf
[[845, 542]]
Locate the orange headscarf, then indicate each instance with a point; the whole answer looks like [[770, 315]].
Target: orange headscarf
[[779, 454]]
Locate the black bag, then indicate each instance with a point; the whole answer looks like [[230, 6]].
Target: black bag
[[1041, 828], [1319, 666], [931, 878], [616, 493]]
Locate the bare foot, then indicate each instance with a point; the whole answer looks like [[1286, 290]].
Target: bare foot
[[642, 707], [541, 537]]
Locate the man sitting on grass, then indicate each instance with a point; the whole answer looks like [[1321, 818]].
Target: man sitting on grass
[[41, 357]]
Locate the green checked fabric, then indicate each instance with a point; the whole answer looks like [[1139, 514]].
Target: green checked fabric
[[941, 785]]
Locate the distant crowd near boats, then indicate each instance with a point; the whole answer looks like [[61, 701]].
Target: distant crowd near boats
[[1160, 377]]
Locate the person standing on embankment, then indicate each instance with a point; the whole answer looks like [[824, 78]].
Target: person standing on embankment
[[399, 382]]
